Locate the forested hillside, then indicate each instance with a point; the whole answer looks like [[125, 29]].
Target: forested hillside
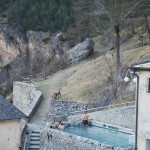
[[79, 17], [43, 15], [22, 23]]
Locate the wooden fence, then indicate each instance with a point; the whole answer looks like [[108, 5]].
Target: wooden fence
[[44, 75]]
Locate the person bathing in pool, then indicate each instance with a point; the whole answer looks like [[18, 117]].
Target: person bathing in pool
[[85, 118], [61, 127]]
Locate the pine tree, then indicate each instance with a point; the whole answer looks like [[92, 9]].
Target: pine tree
[[49, 15]]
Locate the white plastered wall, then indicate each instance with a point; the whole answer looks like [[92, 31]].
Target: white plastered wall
[[143, 132], [10, 134]]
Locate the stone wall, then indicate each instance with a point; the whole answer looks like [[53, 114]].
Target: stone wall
[[56, 140], [65, 107], [124, 116], [26, 96]]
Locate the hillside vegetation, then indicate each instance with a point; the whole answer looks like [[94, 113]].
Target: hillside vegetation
[[75, 16], [88, 80], [53, 15], [95, 78]]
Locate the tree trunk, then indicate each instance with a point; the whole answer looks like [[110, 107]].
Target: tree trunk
[[118, 64], [132, 26], [147, 27]]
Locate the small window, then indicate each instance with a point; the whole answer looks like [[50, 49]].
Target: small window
[[147, 144], [148, 90]]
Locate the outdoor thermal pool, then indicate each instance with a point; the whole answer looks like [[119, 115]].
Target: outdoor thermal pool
[[105, 134]]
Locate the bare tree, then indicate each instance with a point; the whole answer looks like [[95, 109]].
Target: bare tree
[[147, 26], [110, 78], [132, 23], [116, 11]]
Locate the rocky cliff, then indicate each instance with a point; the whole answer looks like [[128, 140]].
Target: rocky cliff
[[39, 50], [34, 52], [12, 45]]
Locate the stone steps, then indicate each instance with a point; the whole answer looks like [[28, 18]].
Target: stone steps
[[35, 134], [34, 140], [34, 147], [37, 147]]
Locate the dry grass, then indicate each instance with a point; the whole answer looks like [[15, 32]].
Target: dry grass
[[87, 80], [87, 83]]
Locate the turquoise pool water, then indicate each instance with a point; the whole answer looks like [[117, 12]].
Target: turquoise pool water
[[102, 135]]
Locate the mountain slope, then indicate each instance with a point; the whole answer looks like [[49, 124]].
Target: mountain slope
[[91, 80], [87, 81]]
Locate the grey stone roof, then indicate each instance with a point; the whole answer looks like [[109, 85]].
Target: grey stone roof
[[8, 111]]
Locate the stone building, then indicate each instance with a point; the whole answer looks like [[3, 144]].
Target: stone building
[[10, 126], [142, 72], [26, 97]]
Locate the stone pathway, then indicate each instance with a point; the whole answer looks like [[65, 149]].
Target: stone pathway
[[48, 87]]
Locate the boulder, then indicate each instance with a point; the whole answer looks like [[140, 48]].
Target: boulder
[[81, 51]]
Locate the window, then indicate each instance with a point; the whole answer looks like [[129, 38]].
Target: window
[[147, 144], [148, 90]]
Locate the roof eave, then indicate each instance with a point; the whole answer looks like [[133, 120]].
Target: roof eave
[[11, 119], [139, 69]]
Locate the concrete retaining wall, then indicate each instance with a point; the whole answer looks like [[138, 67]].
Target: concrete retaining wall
[[56, 140], [123, 116]]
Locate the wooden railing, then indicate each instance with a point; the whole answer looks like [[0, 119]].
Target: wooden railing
[[43, 75]]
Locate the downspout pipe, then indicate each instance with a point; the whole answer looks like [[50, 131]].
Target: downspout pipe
[[137, 101]]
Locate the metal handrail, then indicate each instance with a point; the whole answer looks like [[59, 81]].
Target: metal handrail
[[27, 144]]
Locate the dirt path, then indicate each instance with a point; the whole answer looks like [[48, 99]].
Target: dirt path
[[48, 87]]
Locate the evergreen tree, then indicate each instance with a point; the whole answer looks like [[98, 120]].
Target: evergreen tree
[[48, 15]]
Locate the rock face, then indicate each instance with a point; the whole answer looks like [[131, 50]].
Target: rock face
[[39, 49], [59, 45], [32, 50], [12, 45], [21, 54], [34, 53], [81, 50]]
